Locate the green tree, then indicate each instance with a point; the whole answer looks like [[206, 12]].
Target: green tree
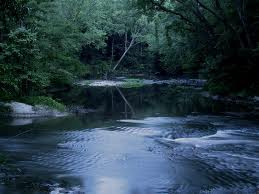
[[19, 69]]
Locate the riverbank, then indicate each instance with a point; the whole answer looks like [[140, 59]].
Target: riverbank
[[121, 82], [132, 82], [32, 107], [40, 106]]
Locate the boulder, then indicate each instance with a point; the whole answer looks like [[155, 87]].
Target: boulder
[[21, 110]]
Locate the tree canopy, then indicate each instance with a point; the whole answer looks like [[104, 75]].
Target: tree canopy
[[51, 43]]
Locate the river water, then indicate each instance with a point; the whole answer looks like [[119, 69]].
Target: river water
[[155, 139]]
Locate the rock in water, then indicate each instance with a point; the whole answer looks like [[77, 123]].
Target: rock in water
[[22, 110]]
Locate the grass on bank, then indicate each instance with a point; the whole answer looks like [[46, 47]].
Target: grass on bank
[[132, 83], [86, 82], [45, 101]]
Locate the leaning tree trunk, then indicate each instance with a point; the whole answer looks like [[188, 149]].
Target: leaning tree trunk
[[124, 54]]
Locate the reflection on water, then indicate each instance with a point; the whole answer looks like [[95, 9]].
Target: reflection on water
[[145, 101], [110, 185], [141, 141]]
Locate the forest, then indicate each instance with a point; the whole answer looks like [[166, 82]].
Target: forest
[[46, 44]]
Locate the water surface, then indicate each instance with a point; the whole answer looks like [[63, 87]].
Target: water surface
[[156, 139]]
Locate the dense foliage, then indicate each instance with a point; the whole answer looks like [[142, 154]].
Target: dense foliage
[[50, 43], [217, 38]]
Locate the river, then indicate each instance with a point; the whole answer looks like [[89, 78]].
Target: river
[[148, 140]]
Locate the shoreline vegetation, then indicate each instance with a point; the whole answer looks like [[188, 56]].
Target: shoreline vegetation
[[30, 107]]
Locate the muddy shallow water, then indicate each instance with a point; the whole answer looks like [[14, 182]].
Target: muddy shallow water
[[155, 139]]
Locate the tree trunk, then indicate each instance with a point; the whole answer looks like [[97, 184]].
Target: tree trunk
[[141, 50], [124, 54], [240, 6], [126, 41], [126, 101], [112, 55], [157, 34]]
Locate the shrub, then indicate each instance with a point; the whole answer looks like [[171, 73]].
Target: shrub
[[61, 78]]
